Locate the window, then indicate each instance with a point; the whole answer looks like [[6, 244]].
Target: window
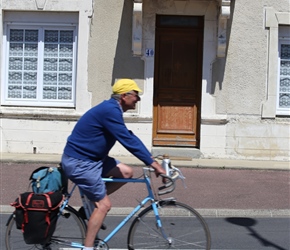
[[39, 65], [283, 90]]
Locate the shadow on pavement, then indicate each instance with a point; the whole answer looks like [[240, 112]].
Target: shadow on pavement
[[248, 223]]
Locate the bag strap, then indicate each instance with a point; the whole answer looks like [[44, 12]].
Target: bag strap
[[47, 216], [48, 201], [25, 212], [28, 199]]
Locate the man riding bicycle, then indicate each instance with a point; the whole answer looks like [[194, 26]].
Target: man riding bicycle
[[85, 159]]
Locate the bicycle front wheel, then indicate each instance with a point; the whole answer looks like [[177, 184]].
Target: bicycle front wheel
[[69, 228], [182, 228]]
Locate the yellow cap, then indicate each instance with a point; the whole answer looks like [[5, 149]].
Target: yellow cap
[[124, 86]]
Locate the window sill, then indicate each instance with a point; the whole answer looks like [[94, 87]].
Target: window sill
[[39, 113]]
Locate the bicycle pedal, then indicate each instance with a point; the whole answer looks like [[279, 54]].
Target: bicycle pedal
[[82, 213], [104, 226]]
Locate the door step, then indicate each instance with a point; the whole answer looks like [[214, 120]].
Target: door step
[[177, 153]]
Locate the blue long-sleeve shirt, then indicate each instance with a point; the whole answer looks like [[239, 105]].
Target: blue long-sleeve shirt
[[97, 131]]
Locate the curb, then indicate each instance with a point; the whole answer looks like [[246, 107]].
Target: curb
[[216, 213], [213, 213]]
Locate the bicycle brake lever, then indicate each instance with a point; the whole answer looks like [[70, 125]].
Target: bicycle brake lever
[[179, 175]]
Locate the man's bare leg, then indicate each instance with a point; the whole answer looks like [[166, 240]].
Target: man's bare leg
[[96, 220], [104, 205], [120, 171]]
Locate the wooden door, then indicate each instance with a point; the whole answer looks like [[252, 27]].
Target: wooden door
[[177, 81]]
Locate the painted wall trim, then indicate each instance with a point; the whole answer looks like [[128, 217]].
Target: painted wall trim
[[224, 14], [137, 28]]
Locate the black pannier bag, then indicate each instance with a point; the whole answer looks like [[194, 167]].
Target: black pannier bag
[[36, 215]]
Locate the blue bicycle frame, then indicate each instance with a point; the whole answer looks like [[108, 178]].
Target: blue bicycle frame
[[150, 197]]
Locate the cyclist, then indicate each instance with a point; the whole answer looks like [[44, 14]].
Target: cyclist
[[85, 158]]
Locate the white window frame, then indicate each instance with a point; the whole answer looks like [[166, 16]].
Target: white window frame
[[279, 110], [39, 101], [273, 19]]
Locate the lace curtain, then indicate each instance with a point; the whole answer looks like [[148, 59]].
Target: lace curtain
[[56, 57], [284, 87]]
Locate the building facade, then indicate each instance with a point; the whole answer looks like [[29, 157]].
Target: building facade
[[215, 74]]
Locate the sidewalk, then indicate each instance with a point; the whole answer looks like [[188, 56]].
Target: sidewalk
[[217, 187]]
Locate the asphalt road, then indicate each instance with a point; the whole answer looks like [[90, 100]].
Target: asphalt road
[[227, 233]]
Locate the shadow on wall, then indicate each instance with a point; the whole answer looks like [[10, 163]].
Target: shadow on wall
[[218, 66], [125, 65], [218, 69]]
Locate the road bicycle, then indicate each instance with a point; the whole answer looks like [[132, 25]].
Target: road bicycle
[[163, 224]]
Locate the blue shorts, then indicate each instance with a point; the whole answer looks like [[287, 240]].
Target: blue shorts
[[88, 174]]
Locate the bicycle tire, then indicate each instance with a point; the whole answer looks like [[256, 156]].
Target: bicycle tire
[[70, 227], [184, 226]]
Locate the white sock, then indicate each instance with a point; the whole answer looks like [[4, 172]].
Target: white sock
[[88, 248]]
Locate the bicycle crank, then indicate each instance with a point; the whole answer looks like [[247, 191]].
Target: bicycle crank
[[100, 245]]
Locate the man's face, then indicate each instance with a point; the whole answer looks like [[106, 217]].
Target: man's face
[[129, 100]]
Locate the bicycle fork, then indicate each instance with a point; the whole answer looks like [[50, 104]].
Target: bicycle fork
[[156, 207]]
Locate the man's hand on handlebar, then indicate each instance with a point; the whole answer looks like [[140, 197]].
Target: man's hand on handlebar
[[158, 168]]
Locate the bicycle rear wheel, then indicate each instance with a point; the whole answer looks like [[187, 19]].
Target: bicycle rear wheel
[[70, 228], [182, 228]]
